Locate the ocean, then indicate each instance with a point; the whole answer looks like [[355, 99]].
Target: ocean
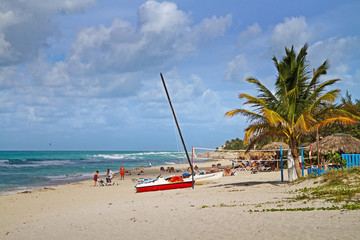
[[26, 170]]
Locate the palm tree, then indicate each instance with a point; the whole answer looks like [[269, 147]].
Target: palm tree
[[299, 105]]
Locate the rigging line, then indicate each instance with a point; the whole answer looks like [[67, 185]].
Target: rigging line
[[176, 139], [178, 143]]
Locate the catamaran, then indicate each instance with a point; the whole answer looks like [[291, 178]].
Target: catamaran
[[174, 182]]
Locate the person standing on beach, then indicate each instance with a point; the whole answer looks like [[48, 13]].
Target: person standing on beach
[[96, 175], [122, 172], [110, 176]]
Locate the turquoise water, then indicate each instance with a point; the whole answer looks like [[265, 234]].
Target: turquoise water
[[26, 170]]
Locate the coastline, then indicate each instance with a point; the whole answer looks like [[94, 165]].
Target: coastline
[[30, 170], [151, 172], [223, 209]]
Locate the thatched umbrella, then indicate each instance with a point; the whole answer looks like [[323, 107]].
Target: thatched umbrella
[[275, 146], [338, 143]]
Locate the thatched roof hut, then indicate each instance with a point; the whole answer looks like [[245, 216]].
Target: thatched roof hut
[[254, 154], [275, 146], [229, 155], [338, 143]]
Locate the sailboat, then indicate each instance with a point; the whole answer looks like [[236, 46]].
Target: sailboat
[[173, 182]]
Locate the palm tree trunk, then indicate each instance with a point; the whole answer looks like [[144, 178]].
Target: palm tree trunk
[[297, 165]]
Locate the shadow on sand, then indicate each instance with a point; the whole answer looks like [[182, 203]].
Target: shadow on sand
[[250, 183]]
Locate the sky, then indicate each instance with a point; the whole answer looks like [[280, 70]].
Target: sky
[[85, 74]]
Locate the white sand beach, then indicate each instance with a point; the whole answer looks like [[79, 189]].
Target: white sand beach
[[230, 208]]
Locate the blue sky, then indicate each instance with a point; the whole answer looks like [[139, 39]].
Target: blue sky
[[84, 74]]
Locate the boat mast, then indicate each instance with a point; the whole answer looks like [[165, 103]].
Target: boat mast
[[178, 127]]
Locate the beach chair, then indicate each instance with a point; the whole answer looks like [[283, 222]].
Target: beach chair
[[101, 182], [110, 182], [261, 168]]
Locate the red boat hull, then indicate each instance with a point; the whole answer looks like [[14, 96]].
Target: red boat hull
[[164, 187]]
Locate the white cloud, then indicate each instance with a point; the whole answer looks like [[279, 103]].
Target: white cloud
[[154, 17], [8, 77], [7, 17], [342, 55], [251, 32], [293, 31], [106, 78], [25, 26], [335, 49], [193, 101], [104, 58], [238, 69], [213, 27]]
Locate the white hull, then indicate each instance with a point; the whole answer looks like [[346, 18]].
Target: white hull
[[210, 177], [160, 183]]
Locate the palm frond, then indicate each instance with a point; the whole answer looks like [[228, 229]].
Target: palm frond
[[249, 114], [340, 120], [258, 129], [273, 117], [322, 70], [265, 92], [233, 113], [319, 89], [253, 101], [329, 97], [304, 122]]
